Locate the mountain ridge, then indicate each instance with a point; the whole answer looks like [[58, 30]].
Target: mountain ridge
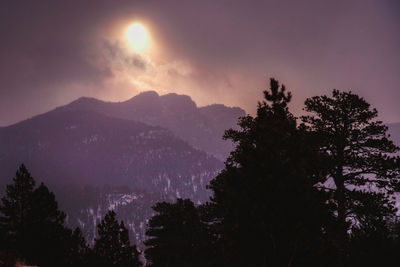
[[65, 136], [80, 148], [90, 143], [202, 127]]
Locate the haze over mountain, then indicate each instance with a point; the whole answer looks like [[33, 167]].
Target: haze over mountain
[[201, 127], [99, 155], [84, 147], [124, 156]]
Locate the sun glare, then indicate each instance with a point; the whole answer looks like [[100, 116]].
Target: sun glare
[[137, 37]]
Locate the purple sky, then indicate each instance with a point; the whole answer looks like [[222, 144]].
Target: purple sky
[[52, 52]]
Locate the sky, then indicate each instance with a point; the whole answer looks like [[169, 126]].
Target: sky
[[216, 51]]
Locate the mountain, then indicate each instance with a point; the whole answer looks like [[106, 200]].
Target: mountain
[[124, 156], [86, 157], [202, 127], [84, 147]]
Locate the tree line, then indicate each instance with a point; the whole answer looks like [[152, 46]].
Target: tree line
[[310, 191], [33, 232]]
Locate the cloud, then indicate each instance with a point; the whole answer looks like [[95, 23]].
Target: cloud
[[217, 51], [130, 73]]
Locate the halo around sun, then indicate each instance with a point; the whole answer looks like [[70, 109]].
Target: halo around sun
[[137, 37]]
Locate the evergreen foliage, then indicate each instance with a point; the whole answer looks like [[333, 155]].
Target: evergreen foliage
[[32, 225], [46, 233], [177, 236], [268, 212], [358, 156], [112, 247], [78, 252], [314, 194], [15, 207]]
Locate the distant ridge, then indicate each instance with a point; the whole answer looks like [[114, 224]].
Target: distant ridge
[[201, 127], [85, 147], [76, 152]]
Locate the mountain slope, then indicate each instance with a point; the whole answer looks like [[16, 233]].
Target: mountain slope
[[202, 127], [83, 147], [94, 162]]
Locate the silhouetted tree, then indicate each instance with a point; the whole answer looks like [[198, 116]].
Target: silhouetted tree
[[14, 210], [177, 237], [268, 212], [373, 236], [33, 225], [47, 234], [357, 151], [78, 252], [112, 247]]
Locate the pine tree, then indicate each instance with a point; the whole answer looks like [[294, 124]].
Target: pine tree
[[14, 210], [112, 247], [268, 212], [47, 237], [372, 238], [177, 237], [32, 223], [357, 151], [78, 252]]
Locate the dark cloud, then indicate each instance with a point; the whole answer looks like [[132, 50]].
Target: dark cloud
[[217, 51]]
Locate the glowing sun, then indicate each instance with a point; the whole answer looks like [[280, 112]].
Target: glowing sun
[[137, 37]]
